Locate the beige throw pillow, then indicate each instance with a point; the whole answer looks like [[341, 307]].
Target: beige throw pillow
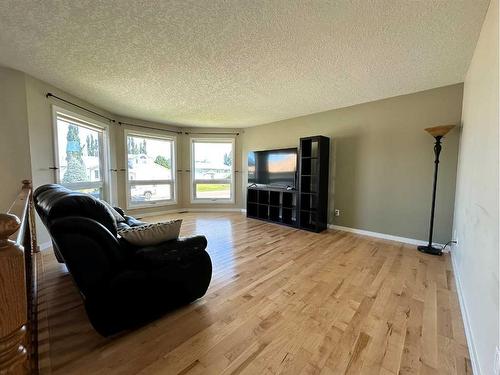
[[152, 234]]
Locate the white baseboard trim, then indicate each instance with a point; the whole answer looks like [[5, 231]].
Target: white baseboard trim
[[410, 241], [213, 209], [465, 316]]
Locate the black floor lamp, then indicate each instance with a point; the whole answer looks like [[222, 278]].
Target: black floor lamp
[[438, 132]]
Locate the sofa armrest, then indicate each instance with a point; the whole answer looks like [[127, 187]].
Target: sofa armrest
[[91, 252], [171, 251], [140, 291], [120, 211]]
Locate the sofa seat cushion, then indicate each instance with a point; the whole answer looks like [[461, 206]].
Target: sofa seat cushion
[[170, 251]]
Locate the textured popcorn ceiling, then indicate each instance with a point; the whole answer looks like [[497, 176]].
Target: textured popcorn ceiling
[[241, 62]]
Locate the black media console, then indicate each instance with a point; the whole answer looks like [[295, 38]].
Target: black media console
[[305, 208]]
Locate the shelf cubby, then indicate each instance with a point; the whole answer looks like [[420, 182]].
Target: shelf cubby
[[263, 196], [252, 196], [274, 213], [289, 200], [263, 211], [309, 184], [309, 166], [308, 220], [252, 209], [288, 216], [309, 147], [274, 198], [309, 201]]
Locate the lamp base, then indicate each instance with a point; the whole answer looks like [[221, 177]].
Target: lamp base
[[430, 250]]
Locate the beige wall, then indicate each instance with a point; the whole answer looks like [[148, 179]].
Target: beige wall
[[14, 141], [475, 257], [382, 160]]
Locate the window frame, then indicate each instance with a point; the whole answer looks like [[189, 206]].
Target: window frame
[[104, 151], [173, 182], [194, 181]]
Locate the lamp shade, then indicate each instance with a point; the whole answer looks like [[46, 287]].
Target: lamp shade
[[439, 131]]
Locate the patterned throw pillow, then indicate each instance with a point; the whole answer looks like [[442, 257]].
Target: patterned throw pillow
[[152, 234]]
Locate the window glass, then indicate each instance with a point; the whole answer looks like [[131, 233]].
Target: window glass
[[150, 169], [213, 191], [81, 165], [149, 158], [146, 193], [213, 169], [79, 159]]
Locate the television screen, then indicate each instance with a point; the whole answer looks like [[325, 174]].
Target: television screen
[[273, 167]]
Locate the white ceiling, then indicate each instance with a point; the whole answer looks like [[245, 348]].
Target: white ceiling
[[241, 62]]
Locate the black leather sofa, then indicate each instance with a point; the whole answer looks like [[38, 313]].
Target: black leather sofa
[[122, 286]]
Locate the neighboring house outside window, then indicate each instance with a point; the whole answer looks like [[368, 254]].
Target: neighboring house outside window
[[150, 169]]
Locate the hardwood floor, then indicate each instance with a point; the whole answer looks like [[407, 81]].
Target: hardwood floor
[[280, 301]]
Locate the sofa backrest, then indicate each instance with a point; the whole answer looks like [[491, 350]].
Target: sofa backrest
[[55, 201], [83, 233]]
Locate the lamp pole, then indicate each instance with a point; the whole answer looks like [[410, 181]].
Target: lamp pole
[[429, 249], [438, 133]]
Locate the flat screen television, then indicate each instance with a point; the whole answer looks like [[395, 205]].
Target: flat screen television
[[273, 167]]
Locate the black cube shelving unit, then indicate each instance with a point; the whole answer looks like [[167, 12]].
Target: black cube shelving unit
[[274, 205], [314, 166], [305, 208]]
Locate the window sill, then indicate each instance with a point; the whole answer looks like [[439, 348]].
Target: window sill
[[150, 205], [212, 201]]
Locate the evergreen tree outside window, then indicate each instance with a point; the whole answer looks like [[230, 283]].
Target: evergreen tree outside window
[[80, 161], [92, 146], [75, 170]]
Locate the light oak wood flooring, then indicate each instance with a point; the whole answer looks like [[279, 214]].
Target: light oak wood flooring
[[281, 301]]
